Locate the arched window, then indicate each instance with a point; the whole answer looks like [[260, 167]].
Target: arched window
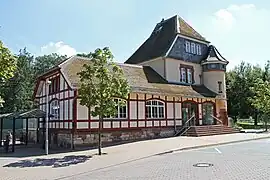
[[121, 110], [154, 109], [55, 109]]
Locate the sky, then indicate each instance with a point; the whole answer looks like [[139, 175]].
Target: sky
[[239, 29]]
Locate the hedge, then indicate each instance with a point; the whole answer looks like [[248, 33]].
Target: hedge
[[251, 126]]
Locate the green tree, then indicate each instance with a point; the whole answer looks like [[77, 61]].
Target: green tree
[[7, 66], [261, 100], [18, 90], [101, 80], [45, 62]]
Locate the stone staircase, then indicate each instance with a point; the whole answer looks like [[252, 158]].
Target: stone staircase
[[209, 130]]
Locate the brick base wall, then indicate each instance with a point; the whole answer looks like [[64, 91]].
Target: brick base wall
[[64, 139]]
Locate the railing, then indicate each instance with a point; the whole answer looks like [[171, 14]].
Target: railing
[[217, 119], [185, 127]]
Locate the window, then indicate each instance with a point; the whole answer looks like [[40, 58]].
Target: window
[[193, 48], [55, 109], [55, 85], [183, 75], [187, 46], [199, 51], [186, 74], [154, 109], [121, 110], [189, 76], [219, 86]]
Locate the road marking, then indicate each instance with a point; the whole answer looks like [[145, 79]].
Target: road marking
[[218, 150]]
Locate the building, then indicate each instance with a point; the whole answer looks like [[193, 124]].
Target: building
[[177, 80]]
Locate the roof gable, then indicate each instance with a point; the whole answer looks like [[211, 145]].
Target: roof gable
[[162, 38], [187, 30]]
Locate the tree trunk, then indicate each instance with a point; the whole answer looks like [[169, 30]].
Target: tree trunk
[[266, 128], [99, 135]]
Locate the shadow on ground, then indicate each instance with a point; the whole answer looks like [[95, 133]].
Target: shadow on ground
[[53, 162]]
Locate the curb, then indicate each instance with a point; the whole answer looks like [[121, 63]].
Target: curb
[[208, 145], [161, 153]]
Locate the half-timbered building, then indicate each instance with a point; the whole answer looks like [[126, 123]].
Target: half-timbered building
[[178, 87]]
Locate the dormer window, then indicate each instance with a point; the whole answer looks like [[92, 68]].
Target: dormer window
[[187, 46], [186, 74], [193, 48], [199, 51]]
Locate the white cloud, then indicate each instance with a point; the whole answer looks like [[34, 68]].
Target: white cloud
[[241, 32], [58, 47]]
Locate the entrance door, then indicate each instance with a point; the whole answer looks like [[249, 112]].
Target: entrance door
[[208, 113], [189, 110]]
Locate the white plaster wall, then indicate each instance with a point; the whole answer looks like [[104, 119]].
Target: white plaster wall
[[82, 111], [141, 109], [82, 125], [211, 78], [178, 111], [170, 109], [133, 109], [66, 110], [62, 82], [124, 124], [173, 72], [200, 110], [156, 64]]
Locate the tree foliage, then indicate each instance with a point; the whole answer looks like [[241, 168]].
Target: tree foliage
[[45, 62], [261, 99], [102, 81], [18, 91], [7, 65]]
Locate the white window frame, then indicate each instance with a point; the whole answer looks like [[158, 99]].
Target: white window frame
[[118, 113], [189, 76], [183, 75], [193, 48], [188, 46], [199, 50], [55, 109], [155, 104]]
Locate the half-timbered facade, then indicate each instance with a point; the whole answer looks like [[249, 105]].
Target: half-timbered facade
[[175, 76]]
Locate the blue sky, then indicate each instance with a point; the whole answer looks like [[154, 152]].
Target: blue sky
[[239, 29]]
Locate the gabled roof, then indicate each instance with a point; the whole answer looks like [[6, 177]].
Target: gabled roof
[[162, 38], [141, 79], [214, 55]]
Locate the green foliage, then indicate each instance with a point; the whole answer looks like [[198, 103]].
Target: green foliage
[[250, 125], [7, 65], [239, 80], [102, 81], [17, 91], [45, 62]]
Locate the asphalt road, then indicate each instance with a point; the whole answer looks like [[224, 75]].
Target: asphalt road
[[247, 161]]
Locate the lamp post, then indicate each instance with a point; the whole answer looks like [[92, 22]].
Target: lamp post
[[47, 84]]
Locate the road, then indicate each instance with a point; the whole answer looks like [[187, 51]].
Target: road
[[248, 161]]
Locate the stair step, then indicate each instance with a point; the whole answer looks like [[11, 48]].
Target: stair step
[[210, 130]]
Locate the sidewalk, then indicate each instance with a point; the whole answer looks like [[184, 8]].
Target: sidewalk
[[119, 154]]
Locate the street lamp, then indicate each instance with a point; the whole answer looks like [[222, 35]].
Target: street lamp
[[48, 82]]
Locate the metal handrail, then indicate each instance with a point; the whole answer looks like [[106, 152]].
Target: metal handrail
[[184, 126], [221, 122]]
